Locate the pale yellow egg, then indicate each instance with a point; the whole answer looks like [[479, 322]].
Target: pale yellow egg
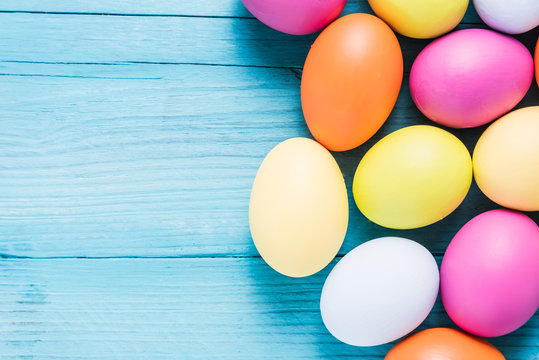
[[298, 212], [506, 160]]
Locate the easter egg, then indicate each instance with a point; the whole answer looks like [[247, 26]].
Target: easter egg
[[443, 344], [298, 212], [489, 273], [380, 291], [421, 19], [350, 81], [413, 177], [506, 160], [296, 17], [512, 17], [470, 77]]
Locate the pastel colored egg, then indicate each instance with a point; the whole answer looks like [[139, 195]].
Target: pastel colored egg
[[413, 177], [489, 273], [506, 160], [351, 80], [298, 212], [512, 17], [470, 77], [421, 19], [380, 291], [443, 344], [296, 17]]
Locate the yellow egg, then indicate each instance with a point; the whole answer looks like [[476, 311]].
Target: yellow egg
[[298, 213], [413, 177], [506, 160], [421, 19]]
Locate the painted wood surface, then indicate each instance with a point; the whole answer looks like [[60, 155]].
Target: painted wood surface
[[138, 135], [67, 38], [225, 308], [183, 8]]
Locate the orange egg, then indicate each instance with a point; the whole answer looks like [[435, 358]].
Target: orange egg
[[351, 80], [443, 344]]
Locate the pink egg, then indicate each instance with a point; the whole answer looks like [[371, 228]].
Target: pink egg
[[490, 273], [470, 77], [296, 17]]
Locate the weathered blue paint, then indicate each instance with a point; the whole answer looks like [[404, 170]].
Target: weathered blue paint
[[129, 136]]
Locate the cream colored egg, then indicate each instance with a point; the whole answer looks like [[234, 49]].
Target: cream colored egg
[[298, 212], [506, 160]]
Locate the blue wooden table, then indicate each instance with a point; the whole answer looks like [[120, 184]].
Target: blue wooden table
[[131, 132]]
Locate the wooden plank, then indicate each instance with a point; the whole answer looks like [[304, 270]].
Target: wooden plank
[[155, 160], [222, 8], [178, 308], [112, 39]]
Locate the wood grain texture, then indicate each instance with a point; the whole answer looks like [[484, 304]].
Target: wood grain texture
[[178, 309], [139, 135], [177, 40], [158, 160], [200, 8]]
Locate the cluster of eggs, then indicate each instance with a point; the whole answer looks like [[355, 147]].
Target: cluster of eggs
[[298, 213]]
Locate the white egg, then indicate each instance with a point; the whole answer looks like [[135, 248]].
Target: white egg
[[379, 292], [509, 16]]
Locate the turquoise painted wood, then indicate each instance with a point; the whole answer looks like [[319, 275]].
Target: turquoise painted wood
[[201, 8], [128, 146], [197, 308]]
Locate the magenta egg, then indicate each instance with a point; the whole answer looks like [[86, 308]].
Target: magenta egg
[[490, 273], [296, 17], [470, 77]]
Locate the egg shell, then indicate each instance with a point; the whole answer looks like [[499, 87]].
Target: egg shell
[[420, 19], [413, 177], [380, 291], [351, 80], [470, 77], [295, 17], [443, 344], [509, 16], [298, 212], [506, 160], [489, 273]]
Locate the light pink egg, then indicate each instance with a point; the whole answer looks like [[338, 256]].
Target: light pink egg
[[470, 77], [490, 273], [296, 17]]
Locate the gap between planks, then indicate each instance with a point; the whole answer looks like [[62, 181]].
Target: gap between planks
[[122, 14], [147, 15], [128, 62]]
